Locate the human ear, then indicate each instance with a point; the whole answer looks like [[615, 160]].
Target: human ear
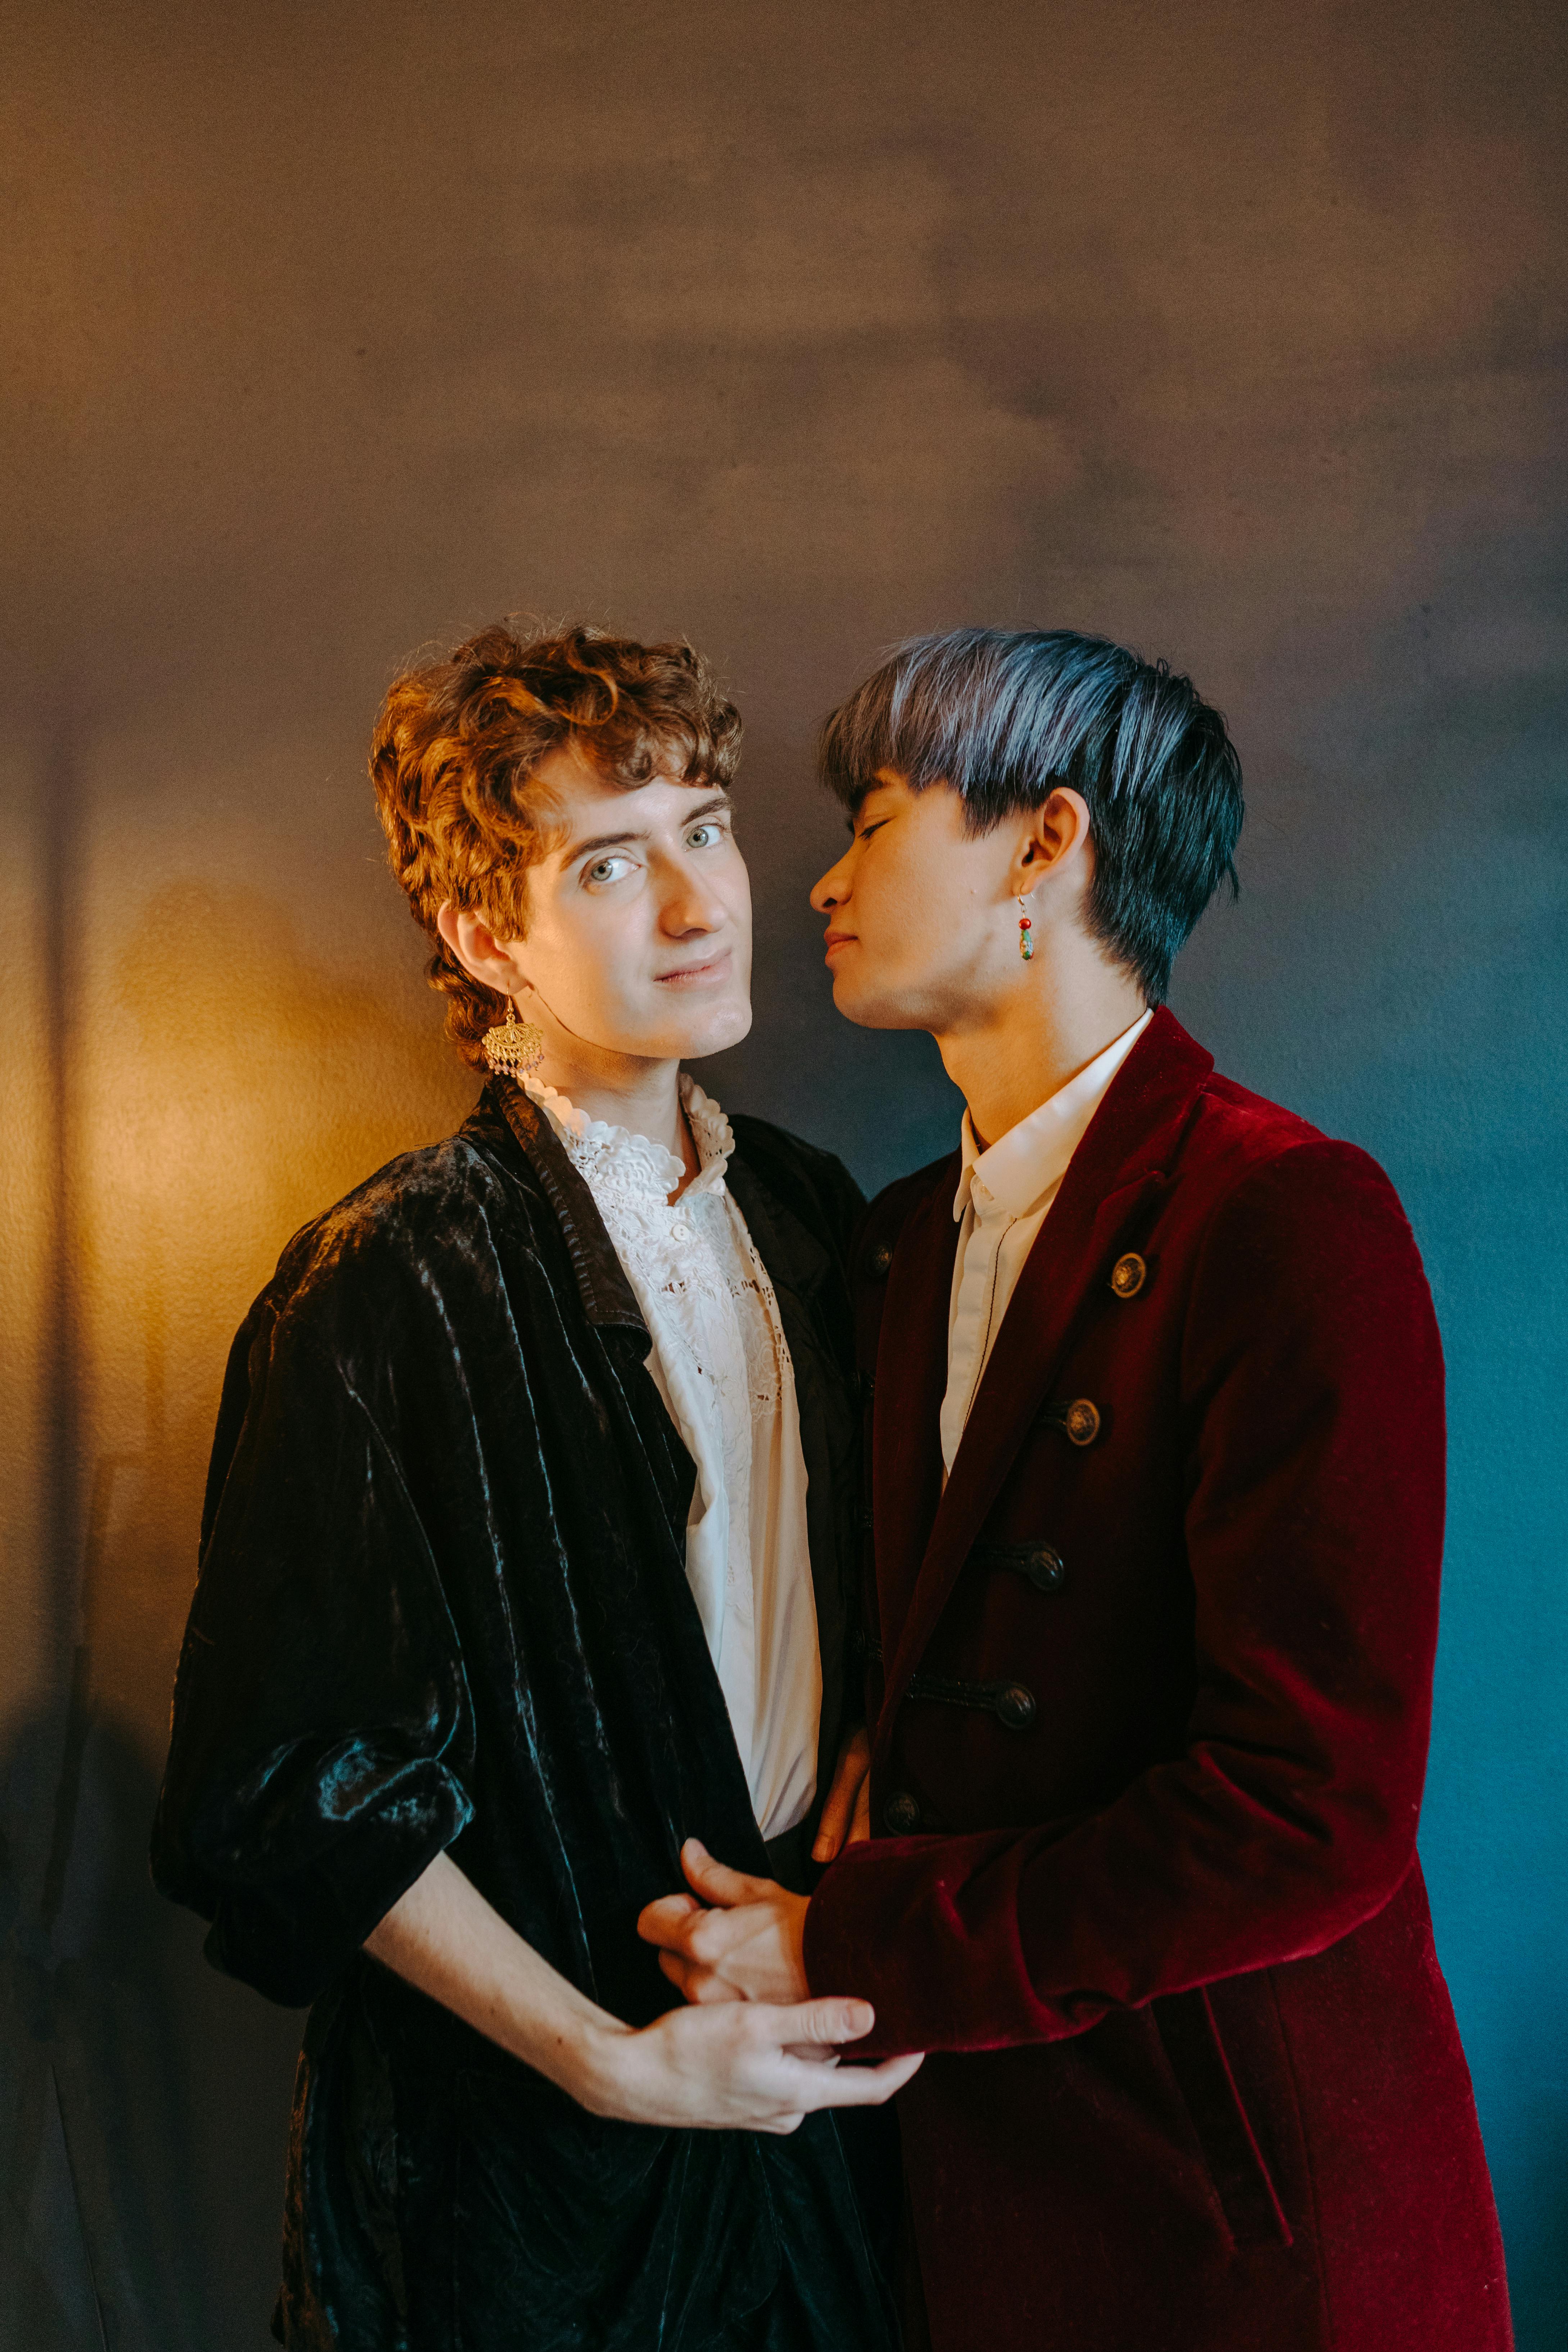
[[1058, 837], [490, 960]]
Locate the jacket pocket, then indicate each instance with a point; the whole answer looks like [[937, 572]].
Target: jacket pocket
[[1243, 2185]]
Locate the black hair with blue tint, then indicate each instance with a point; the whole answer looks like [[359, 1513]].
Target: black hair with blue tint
[[1004, 717]]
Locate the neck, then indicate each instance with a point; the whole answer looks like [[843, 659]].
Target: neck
[[623, 1090], [1010, 1055]]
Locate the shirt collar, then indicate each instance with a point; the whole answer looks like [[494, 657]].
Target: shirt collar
[[1017, 1172], [594, 1145]]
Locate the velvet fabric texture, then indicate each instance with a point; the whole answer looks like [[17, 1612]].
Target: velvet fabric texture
[[443, 1605], [1151, 1712]]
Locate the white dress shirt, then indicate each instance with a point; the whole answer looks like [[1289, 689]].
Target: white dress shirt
[[721, 1362], [1003, 1196]]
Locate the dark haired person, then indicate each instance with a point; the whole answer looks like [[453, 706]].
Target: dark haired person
[[1157, 1473], [527, 1552]]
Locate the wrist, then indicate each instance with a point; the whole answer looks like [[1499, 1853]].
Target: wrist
[[598, 2056]]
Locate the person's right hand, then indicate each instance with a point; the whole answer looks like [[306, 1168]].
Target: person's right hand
[[738, 2066]]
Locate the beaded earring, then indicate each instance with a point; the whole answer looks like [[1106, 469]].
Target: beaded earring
[[1025, 945]]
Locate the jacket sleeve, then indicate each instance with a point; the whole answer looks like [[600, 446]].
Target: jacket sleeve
[[1312, 1397], [322, 1730]]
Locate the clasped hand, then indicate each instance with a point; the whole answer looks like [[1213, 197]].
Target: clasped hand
[[760, 2062], [732, 1939], [741, 1943], [736, 1938]]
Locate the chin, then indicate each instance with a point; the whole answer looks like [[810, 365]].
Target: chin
[[714, 1030], [870, 1009]]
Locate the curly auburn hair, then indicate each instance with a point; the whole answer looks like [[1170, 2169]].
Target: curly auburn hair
[[457, 746]]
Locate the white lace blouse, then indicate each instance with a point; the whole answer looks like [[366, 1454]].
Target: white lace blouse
[[721, 1363]]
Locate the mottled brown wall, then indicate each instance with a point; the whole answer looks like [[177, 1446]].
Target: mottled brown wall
[[1237, 331]]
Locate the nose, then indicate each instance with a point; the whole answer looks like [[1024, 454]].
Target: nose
[[690, 903], [834, 886]]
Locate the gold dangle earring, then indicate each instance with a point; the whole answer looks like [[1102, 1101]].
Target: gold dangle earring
[[1026, 944], [516, 1047]]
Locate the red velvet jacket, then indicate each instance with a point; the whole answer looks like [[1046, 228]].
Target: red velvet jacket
[[1150, 1683]]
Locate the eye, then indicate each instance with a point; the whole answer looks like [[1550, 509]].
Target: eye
[[607, 869], [704, 836]]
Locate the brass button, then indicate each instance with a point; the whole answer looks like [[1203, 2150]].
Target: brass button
[[1044, 1568], [1040, 1563], [1129, 1275], [880, 1259], [902, 1813], [1015, 1706], [1081, 1421]]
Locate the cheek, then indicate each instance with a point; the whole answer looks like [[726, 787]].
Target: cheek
[[902, 904], [736, 893], [582, 962]]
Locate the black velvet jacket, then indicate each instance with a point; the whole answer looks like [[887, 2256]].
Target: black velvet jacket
[[443, 1603]]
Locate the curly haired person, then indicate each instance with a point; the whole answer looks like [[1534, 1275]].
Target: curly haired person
[[530, 1553]]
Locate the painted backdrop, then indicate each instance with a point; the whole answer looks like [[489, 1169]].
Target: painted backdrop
[[1235, 330]]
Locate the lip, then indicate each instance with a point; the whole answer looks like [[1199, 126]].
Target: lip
[[832, 940], [698, 975]]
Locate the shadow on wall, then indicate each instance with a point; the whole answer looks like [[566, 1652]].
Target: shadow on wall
[[147, 2113]]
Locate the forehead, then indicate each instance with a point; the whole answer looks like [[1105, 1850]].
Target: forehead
[[876, 786], [889, 789], [577, 795]]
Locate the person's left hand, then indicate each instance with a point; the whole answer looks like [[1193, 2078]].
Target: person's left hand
[[743, 1941], [846, 1813]]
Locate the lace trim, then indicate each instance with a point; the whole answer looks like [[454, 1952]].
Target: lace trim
[[636, 1160], [693, 1254]]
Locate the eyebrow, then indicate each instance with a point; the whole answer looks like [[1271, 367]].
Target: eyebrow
[[715, 800]]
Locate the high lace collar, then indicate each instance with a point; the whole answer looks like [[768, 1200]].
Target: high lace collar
[[601, 1150]]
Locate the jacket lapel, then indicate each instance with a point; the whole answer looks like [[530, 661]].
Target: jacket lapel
[[1121, 1164], [911, 1376], [607, 1297], [796, 1260]]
